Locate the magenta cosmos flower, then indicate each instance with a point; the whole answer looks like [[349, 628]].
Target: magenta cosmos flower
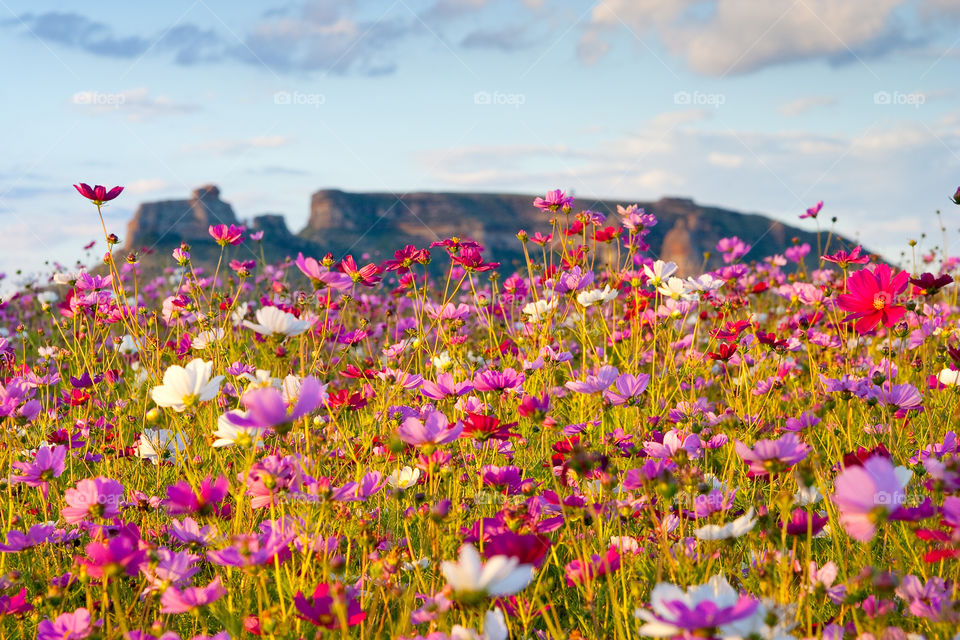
[[703, 608], [956, 196], [97, 195], [872, 297], [224, 235], [867, 495], [320, 609], [556, 200], [772, 456], [813, 211]]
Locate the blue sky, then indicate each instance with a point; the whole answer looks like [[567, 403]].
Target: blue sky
[[759, 106]]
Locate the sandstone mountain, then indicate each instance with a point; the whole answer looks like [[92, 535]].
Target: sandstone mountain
[[378, 223]]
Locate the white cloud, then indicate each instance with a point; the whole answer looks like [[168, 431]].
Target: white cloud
[[146, 185], [224, 146], [802, 105], [725, 160], [737, 36]]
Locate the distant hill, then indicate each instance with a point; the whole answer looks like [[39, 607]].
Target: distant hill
[[379, 223]]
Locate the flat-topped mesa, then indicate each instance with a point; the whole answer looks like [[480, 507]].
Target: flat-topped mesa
[[171, 221]]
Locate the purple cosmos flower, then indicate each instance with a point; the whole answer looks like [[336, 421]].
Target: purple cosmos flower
[[37, 534], [267, 407], [813, 211], [803, 421], [905, 397], [629, 388], [67, 626], [930, 600], [249, 550], [174, 600], [171, 568], [369, 484], [120, 554], [493, 380], [434, 429], [772, 456], [320, 275], [673, 442], [46, 465], [868, 494], [594, 383]]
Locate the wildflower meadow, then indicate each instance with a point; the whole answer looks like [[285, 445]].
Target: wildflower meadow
[[436, 446]]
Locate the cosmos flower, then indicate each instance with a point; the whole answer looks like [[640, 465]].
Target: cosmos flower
[[434, 429], [225, 235], [872, 297], [677, 612], [98, 497], [772, 456], [97, 195], [867, 494], [174, 600], [555, 201], [403, 478], [269, 407], [813, 211], [597, 296], [183, 387], [733, 529], [320, 609], [159, 444], [499, 576], [272, 320], [66, 626]]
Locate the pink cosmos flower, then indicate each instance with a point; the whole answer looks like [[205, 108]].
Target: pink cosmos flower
[[844, 259], [872, 297], [67, 626], [181, 498], [267, 407], [866, 495], [174, 600], [97, 195], [319, 609], [434, 429], [813, 211], [98, 497], [320, 275], [772, 456], [556, 200], [47, 464]]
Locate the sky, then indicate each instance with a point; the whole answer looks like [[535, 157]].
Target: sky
[[760, 106]]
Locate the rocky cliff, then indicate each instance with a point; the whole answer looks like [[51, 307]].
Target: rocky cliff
[[379, 223]]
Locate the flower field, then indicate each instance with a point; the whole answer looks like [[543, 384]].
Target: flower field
[[434, 446]]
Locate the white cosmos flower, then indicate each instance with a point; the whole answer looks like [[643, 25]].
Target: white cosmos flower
[[770, 621], [537, 311], [949, 377], [442, 361], [127, 346], [271, 320], [658, 622], [229, 434], [260, 379], [185, 386], [733, 529], [403, 478], [494, 628], [806, 495], [47, 297], [499, 576], [594, 296], [239, 313], [67, 277], [706, 282], [673, 288], [206, 338], [659, 272], [155, 444]]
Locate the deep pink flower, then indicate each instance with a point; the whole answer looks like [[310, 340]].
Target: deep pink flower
[[434, 429], [444, 387], [97, 195], [174, 600], [579, 573], [319, 609], [181, 498], [224, 235], [320, 275], [844, 259], [120, 554], [872, 297], [46, 465], [493, 380], [956, 196]]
